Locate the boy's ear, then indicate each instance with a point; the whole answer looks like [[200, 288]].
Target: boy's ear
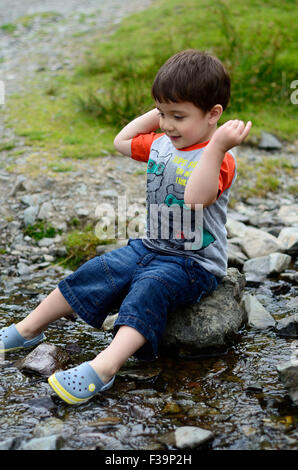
[[215, 113]]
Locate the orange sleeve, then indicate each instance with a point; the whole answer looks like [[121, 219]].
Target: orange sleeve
[[141, 146], [226, 175]]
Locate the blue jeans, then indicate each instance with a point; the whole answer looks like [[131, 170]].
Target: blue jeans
[[142, 284]]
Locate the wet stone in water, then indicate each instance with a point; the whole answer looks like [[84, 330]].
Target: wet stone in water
[[43, 360]]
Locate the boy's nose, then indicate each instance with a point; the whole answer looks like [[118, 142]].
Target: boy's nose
[[166, 125]]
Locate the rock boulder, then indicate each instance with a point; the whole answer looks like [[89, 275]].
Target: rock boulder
[[211, 324]]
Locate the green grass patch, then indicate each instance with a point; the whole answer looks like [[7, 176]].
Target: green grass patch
[[81, 245], [7, 146], [263, 177], [60, 167], [27, 21], [9, 27], [78, 113], [41, 230]]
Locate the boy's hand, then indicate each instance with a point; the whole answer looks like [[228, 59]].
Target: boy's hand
[[230, 134]]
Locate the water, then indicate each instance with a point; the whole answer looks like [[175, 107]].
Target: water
[[237, 395]]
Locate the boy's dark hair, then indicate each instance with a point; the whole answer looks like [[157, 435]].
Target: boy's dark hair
[[193, 76]]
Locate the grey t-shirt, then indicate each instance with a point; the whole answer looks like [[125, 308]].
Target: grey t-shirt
[[172, 228]]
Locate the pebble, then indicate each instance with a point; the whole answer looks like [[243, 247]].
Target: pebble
[[43, 443], [258, 317], [191, 437]]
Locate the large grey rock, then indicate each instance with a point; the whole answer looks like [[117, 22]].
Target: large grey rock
[[257, 269], [212, 323], [257, 243], [254, 242]]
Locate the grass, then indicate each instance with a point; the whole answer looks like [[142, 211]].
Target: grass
[[7, 146], [81, 245], [8, 28], [78, 113], [41, 230], [264, 177]]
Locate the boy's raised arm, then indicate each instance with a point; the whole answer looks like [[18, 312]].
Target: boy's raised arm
[[202, 186], [141, 125]]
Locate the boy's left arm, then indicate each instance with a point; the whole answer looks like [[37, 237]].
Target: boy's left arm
[[144, 124], [202, 186]]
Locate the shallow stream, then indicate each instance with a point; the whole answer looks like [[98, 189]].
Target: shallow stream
[[237, 395]]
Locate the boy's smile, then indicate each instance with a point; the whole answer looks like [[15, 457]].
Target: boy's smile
[[184, 123]]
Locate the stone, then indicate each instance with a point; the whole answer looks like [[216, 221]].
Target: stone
[[235, 228], [288, 326], [44, 406], [30, 215], [236, 257], [48, 427], [288, 374], [212, 323], [45, 211], [45, 242], [258, 269], [191, 437], [257, 315], [254, 242], [269, 142], [108, 324], [10, 443], [44, 443], [18, 186], [44, 360], [288, 237], [24, 269], [288, 214], [258, 243]]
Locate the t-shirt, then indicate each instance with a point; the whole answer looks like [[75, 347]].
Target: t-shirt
[[172, 228]]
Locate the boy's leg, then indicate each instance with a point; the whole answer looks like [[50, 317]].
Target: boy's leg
[[79, 384], [53, 307], [125, 343]]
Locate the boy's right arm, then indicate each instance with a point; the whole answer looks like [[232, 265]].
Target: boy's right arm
[[141, 125]]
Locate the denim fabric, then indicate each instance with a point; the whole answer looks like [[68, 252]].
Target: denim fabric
[[142, 284]]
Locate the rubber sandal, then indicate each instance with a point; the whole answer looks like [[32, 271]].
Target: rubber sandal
[[79, 384], [10, 340]]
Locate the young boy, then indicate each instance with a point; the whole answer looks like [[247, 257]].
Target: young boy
[[189, 166]]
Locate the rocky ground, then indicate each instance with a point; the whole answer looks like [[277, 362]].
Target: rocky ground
[[262, 230]]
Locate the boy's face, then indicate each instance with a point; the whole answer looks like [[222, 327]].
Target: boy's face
[[184, 123]]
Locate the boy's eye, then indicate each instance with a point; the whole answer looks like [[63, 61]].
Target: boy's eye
[[178, 117]]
